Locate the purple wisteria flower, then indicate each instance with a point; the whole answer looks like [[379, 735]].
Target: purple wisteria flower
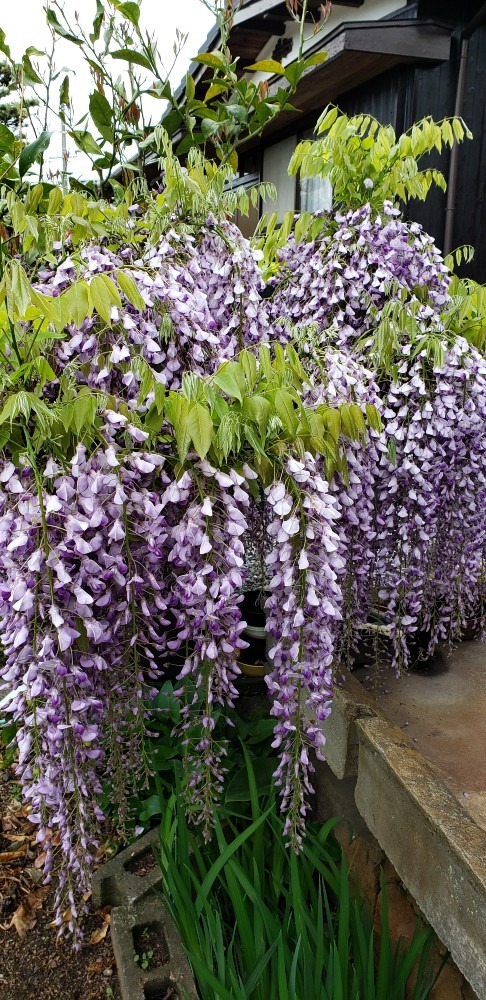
[[115, 558]]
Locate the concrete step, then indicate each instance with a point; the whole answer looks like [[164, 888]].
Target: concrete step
[[416, 748]]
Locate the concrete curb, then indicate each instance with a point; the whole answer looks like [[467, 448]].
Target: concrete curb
[[350, 703], [137, 906]]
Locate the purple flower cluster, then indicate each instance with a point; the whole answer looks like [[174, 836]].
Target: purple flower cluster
[[206, 560], [431, 501], [343, 281], [202, 296], [412, 503], [111, 563], [302, 611]]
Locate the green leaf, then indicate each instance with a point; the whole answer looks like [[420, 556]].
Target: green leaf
[[76, 301], [258, 409], [177, 413], [44, 371], [18, 291], [130, 288], [200, 428], [211, 59], [7, 140], [85, 141], [129, 10], [150, 807], [294, 72], [97, 22], [17, 405], [99, 294], [55, 201], [215, 90], [266, 362], [84, 412], [332, 421], [223, 859], [17, 213], [31, 152], [327, 119], [64, 93], [190, 87], [352, 421], [112, 289], [316, 60], [373, 417], [284, 406], [248, 363], [3, 45], [30, 75], [101, 113], [59, 28], [132, 56], [231, 380], [172, 121], [267, 66]]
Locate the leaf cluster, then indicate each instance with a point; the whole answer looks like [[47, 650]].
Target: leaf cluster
[[236, 104], [367, 162], [251, 409]]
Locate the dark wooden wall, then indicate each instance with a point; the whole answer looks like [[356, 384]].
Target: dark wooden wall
[[407, 93]]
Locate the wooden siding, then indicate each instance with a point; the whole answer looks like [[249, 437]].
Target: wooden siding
[[406, 93]]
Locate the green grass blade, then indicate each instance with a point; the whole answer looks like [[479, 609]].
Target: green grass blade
[[221, 861]]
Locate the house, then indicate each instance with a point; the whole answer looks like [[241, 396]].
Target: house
[[396, 62]]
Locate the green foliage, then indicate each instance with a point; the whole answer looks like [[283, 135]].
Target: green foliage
[[233, 108], [465, 315], [367, 162], [198, 188], [259, 922]]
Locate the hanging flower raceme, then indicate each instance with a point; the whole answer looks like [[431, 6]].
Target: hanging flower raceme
[[432, 499], [206, 578], [303, 611], [113, 563], [82, 603], [197, 304]]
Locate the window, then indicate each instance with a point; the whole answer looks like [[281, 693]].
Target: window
[[276, 159], [315, 194]]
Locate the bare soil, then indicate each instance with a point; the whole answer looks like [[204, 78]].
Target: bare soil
[[34, 965]]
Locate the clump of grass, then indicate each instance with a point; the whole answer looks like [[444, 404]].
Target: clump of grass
[[259, 922]]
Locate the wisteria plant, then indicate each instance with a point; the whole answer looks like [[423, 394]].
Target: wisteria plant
[[157, 415]]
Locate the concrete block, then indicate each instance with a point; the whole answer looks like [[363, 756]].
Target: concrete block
[[117, 883], [131, 884], [434, 845], [335, 797]]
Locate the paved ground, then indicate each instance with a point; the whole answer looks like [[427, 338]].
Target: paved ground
[[442, 708]]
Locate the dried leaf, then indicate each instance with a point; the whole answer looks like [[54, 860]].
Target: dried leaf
[[14, 837], [96, 967], [24, 918], [34, 874], [40, 859], [11, 855], [100, 933]]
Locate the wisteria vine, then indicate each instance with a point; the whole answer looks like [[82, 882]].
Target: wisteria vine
[[117, 557]]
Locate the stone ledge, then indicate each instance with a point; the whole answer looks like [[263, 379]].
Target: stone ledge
[[435, 846], [350, 703]]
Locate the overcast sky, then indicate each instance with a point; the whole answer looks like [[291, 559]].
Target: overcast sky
[[24, 24]]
